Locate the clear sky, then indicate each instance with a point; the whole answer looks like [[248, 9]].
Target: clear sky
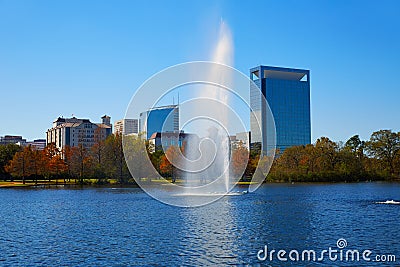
[[87, 58]]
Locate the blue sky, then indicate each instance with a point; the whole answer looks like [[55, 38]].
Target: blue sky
[[87, 58]]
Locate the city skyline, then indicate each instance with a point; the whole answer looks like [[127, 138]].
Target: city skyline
[[58, 59]]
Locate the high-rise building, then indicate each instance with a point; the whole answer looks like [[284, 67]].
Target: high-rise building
[[73, 132], [126, 126], [287, 92], [159, 119]]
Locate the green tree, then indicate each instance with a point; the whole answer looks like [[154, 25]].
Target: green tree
[[353, 156], [114, 158], [385, 145], [137, 158], [328, 154], [354, 144], [309, 161], [291, 160], [7, 153], [156, 157]]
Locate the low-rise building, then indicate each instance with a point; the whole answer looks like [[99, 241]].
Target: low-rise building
[[162, 141], [12, 139], [38, 144]]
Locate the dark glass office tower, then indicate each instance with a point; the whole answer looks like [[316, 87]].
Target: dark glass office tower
[[287, 92]]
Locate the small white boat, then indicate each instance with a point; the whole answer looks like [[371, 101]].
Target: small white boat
[[392, 202]]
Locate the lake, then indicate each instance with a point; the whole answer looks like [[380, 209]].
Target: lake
[[125, 227]]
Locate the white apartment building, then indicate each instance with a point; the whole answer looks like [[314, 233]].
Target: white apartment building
[[73, 131]]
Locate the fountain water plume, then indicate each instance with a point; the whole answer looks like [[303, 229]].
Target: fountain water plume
[[217, 134], [223, 52]]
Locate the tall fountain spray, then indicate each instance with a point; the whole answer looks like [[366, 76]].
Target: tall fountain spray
[[214, 147], [223, 54]]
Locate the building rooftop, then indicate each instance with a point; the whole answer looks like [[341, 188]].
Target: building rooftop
[[280, 73], [163, 107], [75, 122], [8, 137], [101, 125]]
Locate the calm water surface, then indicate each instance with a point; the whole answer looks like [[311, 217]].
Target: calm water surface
[[125, 227]]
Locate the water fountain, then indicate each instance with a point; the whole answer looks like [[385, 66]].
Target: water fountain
[[207, 172], [214, 106]]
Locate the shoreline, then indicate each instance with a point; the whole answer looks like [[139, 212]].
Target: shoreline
[[20, 185], [53, 185]]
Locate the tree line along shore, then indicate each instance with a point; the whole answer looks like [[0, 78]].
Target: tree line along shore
[[376, 159]]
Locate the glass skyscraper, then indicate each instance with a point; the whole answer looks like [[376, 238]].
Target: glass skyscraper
[[159, 119], [287, 92]]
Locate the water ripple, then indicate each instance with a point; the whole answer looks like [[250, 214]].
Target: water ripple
[[103, 227]]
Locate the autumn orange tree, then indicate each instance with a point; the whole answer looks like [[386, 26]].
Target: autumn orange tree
[[68, 158], [97, 152], [165, 166], [53, 162], [168, 168], [18, 165], [26, 163], [79, 162], [239, 161]]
